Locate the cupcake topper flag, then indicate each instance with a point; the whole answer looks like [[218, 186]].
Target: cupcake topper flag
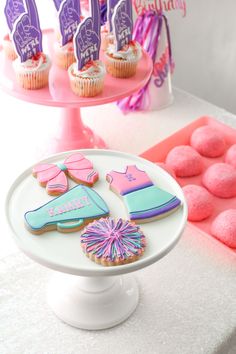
[[87, 39], [122, 23], [57, 4], [69, 18], [26, 34], [110, 10], [13, 9]]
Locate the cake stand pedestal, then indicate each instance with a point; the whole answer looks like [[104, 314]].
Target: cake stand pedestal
[[82, 293], [72, 134], [92, 302]]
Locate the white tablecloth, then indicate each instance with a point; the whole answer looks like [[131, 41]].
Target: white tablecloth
[[188, 299]]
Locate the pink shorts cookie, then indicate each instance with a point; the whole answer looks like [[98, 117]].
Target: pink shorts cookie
[[208, 141], [230, 156], [199, 201], [185, 161], [224, 227], [220, 180]]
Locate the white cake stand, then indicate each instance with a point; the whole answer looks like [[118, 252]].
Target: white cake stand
[[82, 293]]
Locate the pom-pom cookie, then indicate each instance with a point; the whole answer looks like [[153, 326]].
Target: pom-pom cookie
[[111, 242]]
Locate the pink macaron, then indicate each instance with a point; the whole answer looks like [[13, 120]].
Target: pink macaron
[[200, 202], [220, 180], [230, 156], [184, 161], [208, 141], [224, 227]]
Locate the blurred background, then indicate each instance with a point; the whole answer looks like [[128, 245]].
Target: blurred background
[[204, 47]]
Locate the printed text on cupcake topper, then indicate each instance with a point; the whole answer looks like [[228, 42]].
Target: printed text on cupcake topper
[[69, 19], [87, 39], [122, 23], [26, 34]]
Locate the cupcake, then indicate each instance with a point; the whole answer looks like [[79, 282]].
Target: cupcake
[[87, 73], [32, 65], [88, 81], [8, 48], [123, 63], [64, 55], [63, 47], [32, 74], [106, 38], [123, 55]]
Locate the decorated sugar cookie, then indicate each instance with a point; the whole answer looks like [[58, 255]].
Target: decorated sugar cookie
[[54, 176], [32, 65], [144, 200], [69, 14], [12, 10], [123, 54], [111, 242], [68, 212]]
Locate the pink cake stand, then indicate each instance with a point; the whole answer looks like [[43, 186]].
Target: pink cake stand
[[72, 133]]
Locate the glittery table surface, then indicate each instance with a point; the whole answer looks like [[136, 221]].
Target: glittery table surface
[[187, 305]]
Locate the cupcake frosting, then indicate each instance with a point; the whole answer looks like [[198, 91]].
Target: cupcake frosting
[[39, 62], [131, 51], [92, 69]]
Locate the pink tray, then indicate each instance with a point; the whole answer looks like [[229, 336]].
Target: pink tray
[[159, 152]]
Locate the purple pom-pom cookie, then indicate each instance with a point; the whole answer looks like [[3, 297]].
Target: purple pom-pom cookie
[[111, 242]]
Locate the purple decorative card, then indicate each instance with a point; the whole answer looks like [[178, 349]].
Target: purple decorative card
[[26, 34], [110, 10], [57, 4], [122, 23], [87, 39], [13, 9], [69, 19]]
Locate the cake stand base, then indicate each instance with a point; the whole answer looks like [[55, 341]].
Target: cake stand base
[[73, 134], [92, 303]]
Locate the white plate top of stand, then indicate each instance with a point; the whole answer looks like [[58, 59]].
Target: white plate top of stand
[[62, 252]]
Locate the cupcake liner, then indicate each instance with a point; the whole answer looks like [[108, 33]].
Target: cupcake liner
[[86, 87], [120, 68], [33, 80]]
